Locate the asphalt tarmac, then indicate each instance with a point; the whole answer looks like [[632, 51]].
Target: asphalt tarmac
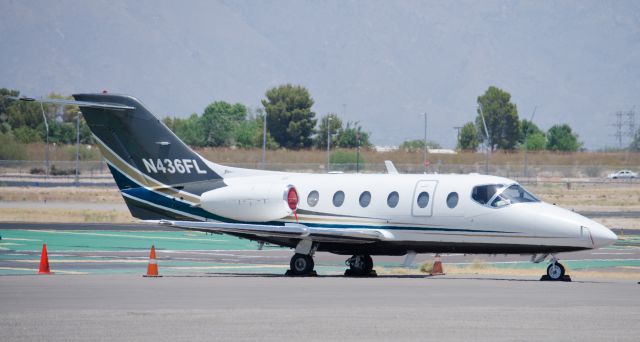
[[326, 308]]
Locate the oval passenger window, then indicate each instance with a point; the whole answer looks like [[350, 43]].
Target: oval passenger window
[[452, 200], [365, 199], [423, 199], [392, 199], [338, 198], [313, 198]]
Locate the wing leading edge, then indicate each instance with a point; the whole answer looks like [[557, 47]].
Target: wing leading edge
[[289, 230]]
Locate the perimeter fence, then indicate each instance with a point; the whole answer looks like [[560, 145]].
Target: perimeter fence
[[17, 171]]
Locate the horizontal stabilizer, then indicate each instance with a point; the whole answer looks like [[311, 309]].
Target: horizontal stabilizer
[[74, 103]]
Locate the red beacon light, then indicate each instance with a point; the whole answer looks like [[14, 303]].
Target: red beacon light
[[292, 200], [105, 91]]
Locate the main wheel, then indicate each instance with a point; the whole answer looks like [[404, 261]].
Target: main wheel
[[555, 271], [360, 265], [301, 264]]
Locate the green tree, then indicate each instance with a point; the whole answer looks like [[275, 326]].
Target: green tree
[[468, 139], [220, 120], [332, 121], [352, 136], [289, 117], [536, 141], [191, 131], [501, 117], [561, 138], [528, 128]]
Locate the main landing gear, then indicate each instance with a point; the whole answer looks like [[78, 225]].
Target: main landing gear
[[555, 271], [301, 265], [302, 262], [360, 266]]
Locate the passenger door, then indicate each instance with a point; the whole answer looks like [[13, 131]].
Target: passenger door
[[423, 196]]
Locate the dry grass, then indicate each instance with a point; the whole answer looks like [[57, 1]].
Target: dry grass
[[62, 194], [65, 216], [230, 155], [590, 197]]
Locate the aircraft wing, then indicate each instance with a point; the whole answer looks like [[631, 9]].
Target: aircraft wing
[[289, 230]]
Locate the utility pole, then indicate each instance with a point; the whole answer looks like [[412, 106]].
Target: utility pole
[[486, 132], [526, 133], [458, 128], [328, 144], [358, 152], [46, 150], [78, 149], [424, 161], [264, 140]]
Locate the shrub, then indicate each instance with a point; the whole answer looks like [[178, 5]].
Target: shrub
[[346, 160], [10, 149]]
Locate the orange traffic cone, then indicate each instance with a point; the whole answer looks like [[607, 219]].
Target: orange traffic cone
[[152, 269], [44, 261], [437, 267]]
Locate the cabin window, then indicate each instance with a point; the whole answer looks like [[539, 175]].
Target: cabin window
[[338, 198], [452, 200], [313, 198], [423, 199], [365, 199], [392, 199]]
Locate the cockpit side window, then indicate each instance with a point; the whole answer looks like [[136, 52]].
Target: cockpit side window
[[483, 193], [500, 195]]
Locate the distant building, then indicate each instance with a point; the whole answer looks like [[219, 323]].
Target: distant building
[[385, 148], [442, 151]]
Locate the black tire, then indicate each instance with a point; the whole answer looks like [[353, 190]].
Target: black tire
[[363, 268], [555, 271], [368, 264], [301, 264]]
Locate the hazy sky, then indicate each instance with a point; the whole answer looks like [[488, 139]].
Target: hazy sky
[[385, 62]]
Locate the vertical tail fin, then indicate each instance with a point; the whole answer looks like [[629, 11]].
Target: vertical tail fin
[[146, 159]]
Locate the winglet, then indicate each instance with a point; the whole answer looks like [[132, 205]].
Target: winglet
[[391, 169]]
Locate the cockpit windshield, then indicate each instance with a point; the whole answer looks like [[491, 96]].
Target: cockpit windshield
[[500, 195]]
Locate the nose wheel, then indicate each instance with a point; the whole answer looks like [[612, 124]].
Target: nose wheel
[[556, 271]]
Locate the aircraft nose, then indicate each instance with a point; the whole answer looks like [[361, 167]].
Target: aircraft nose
[[603, 236]]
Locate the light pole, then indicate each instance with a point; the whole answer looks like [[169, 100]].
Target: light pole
[[78, 149], [46, 150], [328, 143], [526, 132], [486, 132], [264, 140], [358, 152], [424, 161]]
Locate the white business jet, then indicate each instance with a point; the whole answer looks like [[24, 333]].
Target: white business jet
[[359, 215]]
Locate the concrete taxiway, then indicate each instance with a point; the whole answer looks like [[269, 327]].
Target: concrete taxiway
[[275, 308]]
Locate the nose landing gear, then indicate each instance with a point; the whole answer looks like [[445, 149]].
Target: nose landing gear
[[556, 271]]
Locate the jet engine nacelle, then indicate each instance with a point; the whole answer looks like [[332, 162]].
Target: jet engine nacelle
[[251, 202]]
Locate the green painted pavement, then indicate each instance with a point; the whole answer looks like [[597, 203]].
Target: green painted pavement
[[97, 240]]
